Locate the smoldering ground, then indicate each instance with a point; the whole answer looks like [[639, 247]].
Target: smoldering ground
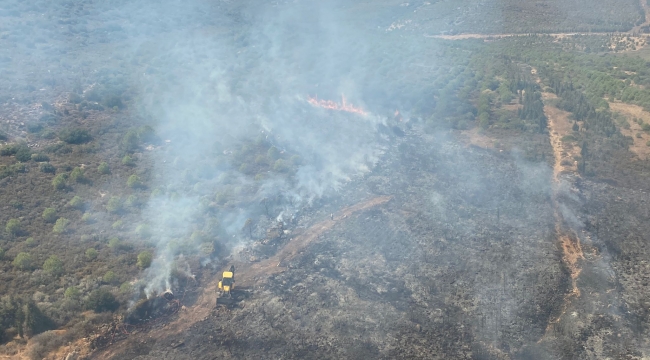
[[209, 96]]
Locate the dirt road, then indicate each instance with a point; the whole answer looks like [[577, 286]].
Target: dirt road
[[634, 31], [564, 163], [251, 275], [501, 36]]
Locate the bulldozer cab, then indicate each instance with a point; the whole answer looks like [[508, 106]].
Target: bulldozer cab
[[226, 286], [227, 282], [228, 295]]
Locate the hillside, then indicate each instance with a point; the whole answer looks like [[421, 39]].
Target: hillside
[[390, 179]]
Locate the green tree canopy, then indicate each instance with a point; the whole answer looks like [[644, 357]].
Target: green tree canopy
[[144, 259], [53, 265], [49, 214], [23, 261]]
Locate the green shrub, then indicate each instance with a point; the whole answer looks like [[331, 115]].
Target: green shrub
[[143, 231], [76, 202], [14, 149], [103, 168], [261, 160], [147, 134], [109, 277], [113, 102], [197, 237], [118, 225], [126, 288], [74, 98], [30, 242], [18, 168], [568, 138], [49, 215], [155, 193], [114, 243], [132, 201], [47, 168], [48, 134], [53, 265], [114, 205], [221, 197], [101, 300], [91, 254], [128, 160], [2, 253], [8, 150], [144, 259], [75, 136], [273, 153], [296, 160], [59, 182], [34, 128], [87, 218], [58, 148], [23, 154], [131, 141], [13, 227], [23, 261], [40, 158], [72, 293], [245, 168], [280, 166], [35, 321], [60, 225], [206, 248], [77, 175], [134, 181]]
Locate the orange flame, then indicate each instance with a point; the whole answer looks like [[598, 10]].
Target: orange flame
[[331, 105]]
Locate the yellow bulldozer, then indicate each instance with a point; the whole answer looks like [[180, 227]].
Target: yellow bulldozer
[[226, 287]]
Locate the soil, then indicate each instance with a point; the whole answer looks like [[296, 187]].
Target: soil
[[565, 150], [477, 138], [639, 137]]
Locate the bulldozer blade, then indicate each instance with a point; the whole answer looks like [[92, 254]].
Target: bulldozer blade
[[225, 301]]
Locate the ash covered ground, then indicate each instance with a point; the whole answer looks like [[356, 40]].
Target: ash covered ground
[[460, 263], [463, 261]]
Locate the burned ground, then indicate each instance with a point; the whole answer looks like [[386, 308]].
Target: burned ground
[[438, 221], [443, 268]]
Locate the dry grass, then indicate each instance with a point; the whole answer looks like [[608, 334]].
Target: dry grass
[[560, 126], [639, 147], [477, 138]]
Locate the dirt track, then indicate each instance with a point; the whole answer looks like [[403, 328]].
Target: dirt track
[[248, 275], [501, 36], [634, 31], [563, 152]]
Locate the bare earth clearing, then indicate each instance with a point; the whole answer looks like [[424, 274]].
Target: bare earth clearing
[[638, 135]]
